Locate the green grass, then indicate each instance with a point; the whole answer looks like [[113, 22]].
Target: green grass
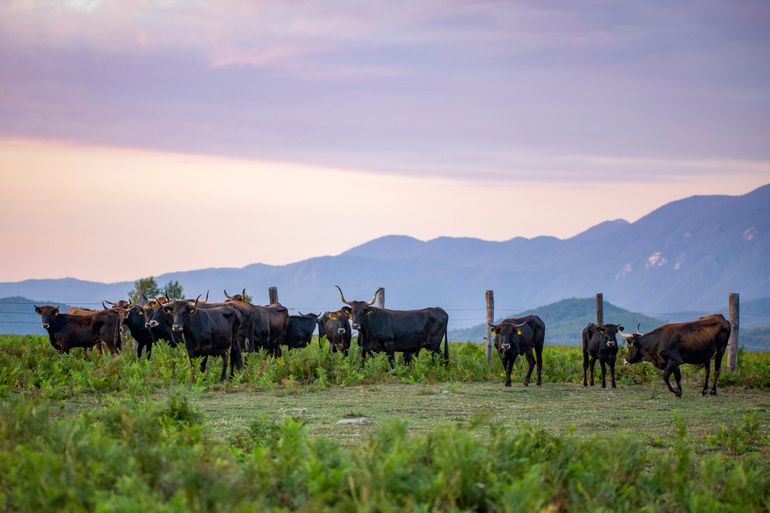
[[90, 432]]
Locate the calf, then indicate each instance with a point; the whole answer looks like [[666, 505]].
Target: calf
[[335, 326], [599, 343], [522, 336]]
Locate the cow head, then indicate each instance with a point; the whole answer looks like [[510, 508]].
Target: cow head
[[181, 312], [358, 309], [506, 337], [235, 297], [136, 316], [47, 313], [608, 332], [634, 349]]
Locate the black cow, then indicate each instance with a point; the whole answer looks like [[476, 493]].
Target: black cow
[[671, 345], [406, 331], [159, 322], [517, 336], [599, 343], [258, 321], [210, 331], [136, 322], [335, 326], [66, 331], [278, 316], [299, 330]]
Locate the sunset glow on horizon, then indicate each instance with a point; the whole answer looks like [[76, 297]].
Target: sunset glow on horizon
[[138, 139]]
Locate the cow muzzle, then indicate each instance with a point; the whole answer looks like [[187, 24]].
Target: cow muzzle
[[340, 330], [176, 327], [626, 362], [151, 324], [46, 326], [356, 326], [505, 347], [611, 344]]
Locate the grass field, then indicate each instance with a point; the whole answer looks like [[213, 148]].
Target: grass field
[[84, 432]]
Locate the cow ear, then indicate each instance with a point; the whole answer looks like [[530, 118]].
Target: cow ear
[[37, 308], [600, 329], [345, 309], [55, 312], [620, 328], [518, 332]]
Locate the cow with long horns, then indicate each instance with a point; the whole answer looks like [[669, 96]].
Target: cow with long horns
[[671, 345], [520, 336], [391, 331]]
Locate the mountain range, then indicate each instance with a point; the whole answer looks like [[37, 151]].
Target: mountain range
[[684, 256]]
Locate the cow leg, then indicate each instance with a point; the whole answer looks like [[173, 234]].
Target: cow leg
[[585, 368], [706, 382], [717, 369], [508, 370], [531, 362], [203, 363], [593, 367], [612, 371], [539, 358], [678, 377], [225, 356], [604, 373], [671, 367], [139, 347], [392, 359]]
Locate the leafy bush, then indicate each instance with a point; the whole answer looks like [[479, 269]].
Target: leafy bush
[[139, 456]]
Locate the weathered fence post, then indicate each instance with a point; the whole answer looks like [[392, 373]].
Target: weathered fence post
[[381, 298], [734, 312], [490, 297], [599, 308], [272, 295]]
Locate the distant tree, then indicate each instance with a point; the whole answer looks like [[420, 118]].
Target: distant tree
[[144, 287], [173, 290]]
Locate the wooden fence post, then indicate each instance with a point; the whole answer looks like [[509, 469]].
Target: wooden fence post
[[734, 312], [599, 308], [272, 295], [381, 298], [490, 297]]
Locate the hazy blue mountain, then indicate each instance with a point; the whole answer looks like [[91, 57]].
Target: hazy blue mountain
[[565, 320], [17, 315], [683, 257]]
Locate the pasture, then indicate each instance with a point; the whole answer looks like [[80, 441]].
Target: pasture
[[90, 432]]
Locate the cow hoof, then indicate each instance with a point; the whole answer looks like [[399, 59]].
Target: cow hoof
[[526, 384], [705, 391], [508, 384], [592, 384], [613, 385], [539, 383], [713, 392], [604, 386]]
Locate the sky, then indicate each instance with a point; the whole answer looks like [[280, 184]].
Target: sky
[[142, 137]]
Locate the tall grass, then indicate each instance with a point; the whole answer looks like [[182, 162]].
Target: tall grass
[[29, 364], [136, 456]]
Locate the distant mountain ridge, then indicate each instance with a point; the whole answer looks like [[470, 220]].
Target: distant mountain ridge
[[684, 256]]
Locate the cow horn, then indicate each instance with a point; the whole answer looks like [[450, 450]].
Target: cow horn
[[374, 297], [108, 302], [342, 296], [206, 299], [626, 336], [244, 292], [130, 303], [637, 328], [104, 306], [169, 299], [196, 300], [228, 296]]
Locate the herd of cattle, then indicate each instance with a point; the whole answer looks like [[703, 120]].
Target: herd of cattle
[[230, 328]]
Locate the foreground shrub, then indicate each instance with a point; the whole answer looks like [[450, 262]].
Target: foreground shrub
[[131, 456]]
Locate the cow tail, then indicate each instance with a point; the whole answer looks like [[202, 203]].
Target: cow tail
[[446, 347]]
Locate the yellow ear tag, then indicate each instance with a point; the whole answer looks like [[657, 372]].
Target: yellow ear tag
[[333, 317], [518, 332]]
